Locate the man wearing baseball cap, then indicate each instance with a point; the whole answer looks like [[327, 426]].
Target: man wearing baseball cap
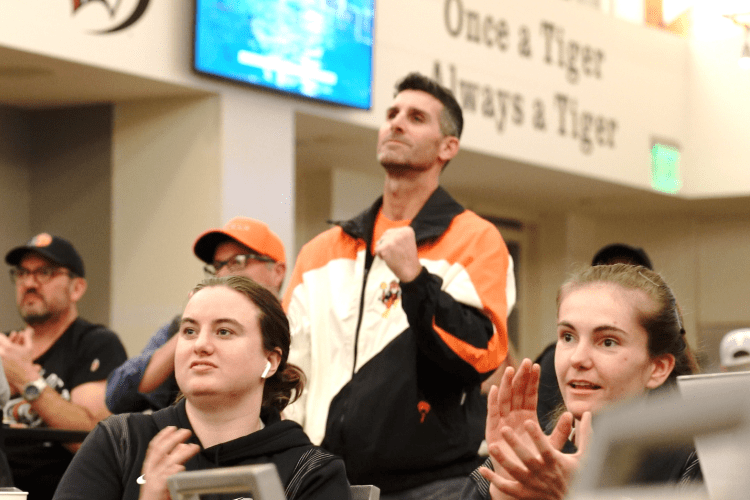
[[244, 247], [57, 366]]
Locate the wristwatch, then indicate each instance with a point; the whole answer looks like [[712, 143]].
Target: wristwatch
[[33, 390]]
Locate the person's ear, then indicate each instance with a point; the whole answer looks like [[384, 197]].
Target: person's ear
[[273, 360], [278, 272], [661, 366], [448, 148], [77, 288]]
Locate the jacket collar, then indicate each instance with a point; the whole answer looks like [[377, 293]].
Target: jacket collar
[[432, 220]]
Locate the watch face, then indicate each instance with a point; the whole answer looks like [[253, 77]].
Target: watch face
[[31, 392]]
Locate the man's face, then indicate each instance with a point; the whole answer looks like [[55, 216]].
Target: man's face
[[268, 274], [411, 137], [39, 302]]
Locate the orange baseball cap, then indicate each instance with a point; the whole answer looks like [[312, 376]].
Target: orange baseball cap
[[252, 233]]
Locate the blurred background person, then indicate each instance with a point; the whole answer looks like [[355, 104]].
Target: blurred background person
[[734, 351], [57, 366]]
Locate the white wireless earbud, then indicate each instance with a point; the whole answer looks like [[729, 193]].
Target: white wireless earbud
[[268, 369]]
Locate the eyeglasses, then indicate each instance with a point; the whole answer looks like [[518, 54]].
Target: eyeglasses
[[235, 264], [42, 275]]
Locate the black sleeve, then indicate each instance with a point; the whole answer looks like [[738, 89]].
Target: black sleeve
[[691, 472], [452, 334], [477, 487], [321, 477], [93, 473]]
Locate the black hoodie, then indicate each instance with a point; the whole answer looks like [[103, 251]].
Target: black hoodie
[[110, 461]]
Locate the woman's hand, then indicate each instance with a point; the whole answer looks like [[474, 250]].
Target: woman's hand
[[166, 455], [538, 472], [509, 406], [512, 404]]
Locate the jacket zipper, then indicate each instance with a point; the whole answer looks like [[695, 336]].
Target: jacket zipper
[[368, 263]]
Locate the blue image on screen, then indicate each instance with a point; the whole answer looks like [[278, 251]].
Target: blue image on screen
[[320, 49]]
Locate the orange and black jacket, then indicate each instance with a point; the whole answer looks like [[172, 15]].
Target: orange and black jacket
[[393, 368]]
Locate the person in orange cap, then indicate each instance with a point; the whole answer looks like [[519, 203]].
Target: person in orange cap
[[243, 247]]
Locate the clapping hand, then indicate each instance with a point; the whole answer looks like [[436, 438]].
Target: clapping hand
[[528, 464], [167, 454], [16, 351]]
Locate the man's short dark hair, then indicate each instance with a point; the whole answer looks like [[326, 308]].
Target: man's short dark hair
[[621, 253], [451, 118]]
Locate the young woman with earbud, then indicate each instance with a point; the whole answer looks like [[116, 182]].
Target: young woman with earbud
[[231, 366]]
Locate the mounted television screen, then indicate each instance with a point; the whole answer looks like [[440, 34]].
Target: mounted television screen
[[320, 49]]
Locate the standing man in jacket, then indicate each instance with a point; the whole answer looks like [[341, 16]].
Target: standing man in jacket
[[399, 314]]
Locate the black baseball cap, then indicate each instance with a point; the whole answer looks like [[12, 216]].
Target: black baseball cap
[[54, 248], [618, 252]]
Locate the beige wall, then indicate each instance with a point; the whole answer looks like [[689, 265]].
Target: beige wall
[[15, 144], [257, 158], [352, 192], [166, 177], [70, 191], [313, 205], [55, 177]]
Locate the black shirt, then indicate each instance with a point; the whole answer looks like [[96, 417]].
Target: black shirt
[[84, 353]]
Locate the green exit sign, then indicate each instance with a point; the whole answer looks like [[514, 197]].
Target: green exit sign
[[665, 168]]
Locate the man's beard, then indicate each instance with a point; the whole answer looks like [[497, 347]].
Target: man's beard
[[38, 314], [36, 318]]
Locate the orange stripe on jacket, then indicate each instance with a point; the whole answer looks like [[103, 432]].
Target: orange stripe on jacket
[[483, 360], [488, 282]]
